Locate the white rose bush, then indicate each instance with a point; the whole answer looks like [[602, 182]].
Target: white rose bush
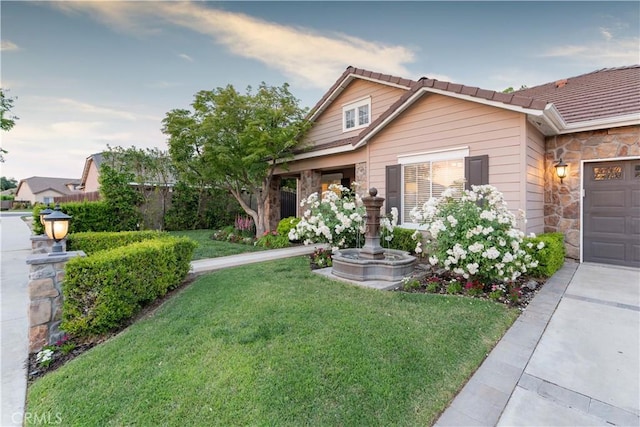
[[473, 235], [336, 218]]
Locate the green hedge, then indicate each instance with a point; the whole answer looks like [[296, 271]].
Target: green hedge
[[91, 242], [550, 257], [402, 240], [104, 290], [286, 224], [86, 216]]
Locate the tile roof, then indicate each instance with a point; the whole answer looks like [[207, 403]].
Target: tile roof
[[38, 184], [346, 77], [609, 92], [601, 94]]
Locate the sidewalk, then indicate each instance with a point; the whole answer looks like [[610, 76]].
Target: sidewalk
[[212, 264], [14, 301], [572, 358]]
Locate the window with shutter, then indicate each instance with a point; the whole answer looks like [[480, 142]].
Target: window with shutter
[[427, 175]]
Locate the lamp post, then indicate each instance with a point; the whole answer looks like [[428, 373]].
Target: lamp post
[[45, 212], [561, 169], [56, 225]]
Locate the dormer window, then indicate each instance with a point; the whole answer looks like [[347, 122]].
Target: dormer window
[[356, 115]]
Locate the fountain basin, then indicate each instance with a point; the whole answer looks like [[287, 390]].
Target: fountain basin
[[396, 264]]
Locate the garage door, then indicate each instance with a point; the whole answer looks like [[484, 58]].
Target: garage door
[[612, 213]]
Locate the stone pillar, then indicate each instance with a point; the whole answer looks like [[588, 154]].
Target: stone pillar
[[42, 244], [372, 248], [361, 178], [45, 297], [310, 182], [273, 204]]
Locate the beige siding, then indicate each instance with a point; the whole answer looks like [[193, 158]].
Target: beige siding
[[328, 126], [92, 179], [437, 122], [535, 180], [25, 193]]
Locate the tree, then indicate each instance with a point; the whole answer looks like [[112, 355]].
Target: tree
[[7, 121], [6, 184], [153, 176], [236, 141], [510, 89]]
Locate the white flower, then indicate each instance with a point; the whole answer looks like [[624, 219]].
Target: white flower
[[418, 248], [507, 258], [452, 220], [476, 247], [472, 268], [488, 215], [540, 245], [433, 260], [491, 253]]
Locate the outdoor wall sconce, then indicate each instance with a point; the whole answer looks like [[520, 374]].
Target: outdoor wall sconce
[[561, 169], [56, 225], [45, 212]]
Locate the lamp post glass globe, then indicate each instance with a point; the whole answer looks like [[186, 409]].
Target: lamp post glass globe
[[44, 213], [56, 226]]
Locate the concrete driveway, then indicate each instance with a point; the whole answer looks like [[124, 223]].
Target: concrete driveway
[[571, 359], [14, 303], [585, 370]]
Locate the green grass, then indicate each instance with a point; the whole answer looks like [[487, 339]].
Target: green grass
[[274, 344], [208, 248]]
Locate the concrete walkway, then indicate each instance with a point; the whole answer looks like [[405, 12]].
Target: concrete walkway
[[14, 301], [571, 359]]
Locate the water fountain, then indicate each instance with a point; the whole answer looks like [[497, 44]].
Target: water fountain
[[373, 263]]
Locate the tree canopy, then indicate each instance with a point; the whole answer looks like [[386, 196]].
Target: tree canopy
[[7, 121], [236, 141]]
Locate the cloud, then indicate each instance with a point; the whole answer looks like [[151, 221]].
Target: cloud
[[302, 54], [83, 107], [606, 50], [441, 77], [186, 57], [7, 46]]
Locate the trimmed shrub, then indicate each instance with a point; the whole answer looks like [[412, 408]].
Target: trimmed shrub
[[286, 224], [273, 240], [91, 242], [104, 290], [87, 216], [550, 257], [402, 240]]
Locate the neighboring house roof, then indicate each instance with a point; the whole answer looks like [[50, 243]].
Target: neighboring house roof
[[39, 184], [602, 99], [96, 158], [609, 92]]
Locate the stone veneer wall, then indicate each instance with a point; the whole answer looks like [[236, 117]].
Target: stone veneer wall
[[310, 182], [273, 204], [562, 201], [46, 278], [361, 179]]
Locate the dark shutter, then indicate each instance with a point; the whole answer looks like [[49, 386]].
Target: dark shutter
[[476, 170], [394, 186]]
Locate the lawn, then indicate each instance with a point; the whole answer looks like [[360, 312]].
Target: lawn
[[208, 248], [274, 344]]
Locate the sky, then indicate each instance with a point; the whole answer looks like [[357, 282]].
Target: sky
[[86, 76]]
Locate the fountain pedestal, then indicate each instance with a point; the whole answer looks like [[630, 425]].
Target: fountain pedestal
[[373, 263]]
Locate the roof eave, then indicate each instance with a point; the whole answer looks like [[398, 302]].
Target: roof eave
[[604, 123]]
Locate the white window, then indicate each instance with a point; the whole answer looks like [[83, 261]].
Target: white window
[[48, 199], [356, 115], [427, 175]]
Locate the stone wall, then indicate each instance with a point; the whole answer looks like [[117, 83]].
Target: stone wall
[[361, 179], [562, 201], [310, 182], [46, 277], [42, 244], [273, 204]]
